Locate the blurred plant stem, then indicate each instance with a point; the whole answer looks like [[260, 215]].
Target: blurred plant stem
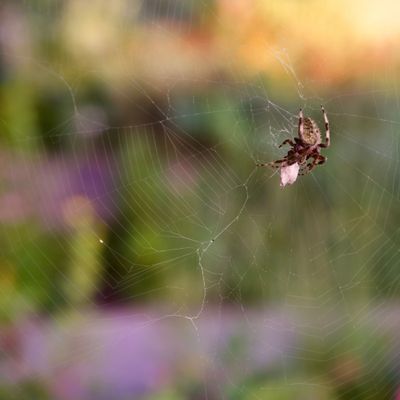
[[85, 249]]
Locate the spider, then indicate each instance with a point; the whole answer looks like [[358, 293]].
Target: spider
[[307, 145]]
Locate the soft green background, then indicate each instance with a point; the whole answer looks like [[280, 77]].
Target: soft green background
[[129, 138]]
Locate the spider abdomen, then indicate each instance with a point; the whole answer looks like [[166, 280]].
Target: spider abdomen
[[311, 134]]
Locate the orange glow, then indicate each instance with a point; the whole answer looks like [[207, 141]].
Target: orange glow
[[329, 43]]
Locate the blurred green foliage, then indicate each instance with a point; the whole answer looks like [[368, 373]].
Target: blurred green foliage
[[25, 391]]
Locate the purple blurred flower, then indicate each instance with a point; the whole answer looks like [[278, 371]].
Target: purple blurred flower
[[123, 354]]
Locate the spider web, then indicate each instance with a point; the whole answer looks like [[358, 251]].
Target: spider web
[[146, 255]]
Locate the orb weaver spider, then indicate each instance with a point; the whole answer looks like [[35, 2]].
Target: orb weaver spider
[[307, 145]]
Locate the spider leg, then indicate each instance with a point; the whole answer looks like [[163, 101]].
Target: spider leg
[[301, 124], [327, 130], [290, 159], [287, 141], [317, 160], [272, 163], [321, 159], [307, 167]]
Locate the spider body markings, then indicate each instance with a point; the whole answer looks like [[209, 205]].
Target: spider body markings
[[305, 147]]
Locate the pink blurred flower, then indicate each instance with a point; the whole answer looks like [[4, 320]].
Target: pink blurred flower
[[13, 208]]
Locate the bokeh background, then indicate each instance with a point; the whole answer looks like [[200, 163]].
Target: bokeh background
[[143, 255]]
